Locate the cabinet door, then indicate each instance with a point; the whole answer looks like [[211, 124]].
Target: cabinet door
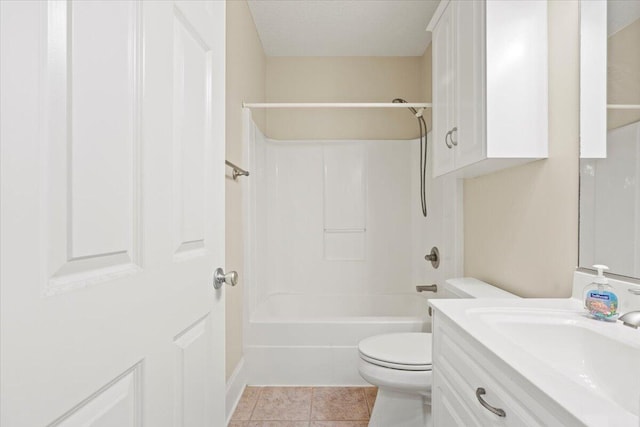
[[443, 93], [470, 135]]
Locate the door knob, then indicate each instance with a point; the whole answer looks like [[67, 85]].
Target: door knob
[[219, 278]]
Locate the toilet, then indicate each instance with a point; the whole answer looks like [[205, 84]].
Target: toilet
[[399, 364]]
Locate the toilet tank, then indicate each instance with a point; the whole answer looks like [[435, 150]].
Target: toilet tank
[[468, 287]]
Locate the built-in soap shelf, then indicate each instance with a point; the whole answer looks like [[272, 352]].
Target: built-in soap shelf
[[345, 201], [345, 230]]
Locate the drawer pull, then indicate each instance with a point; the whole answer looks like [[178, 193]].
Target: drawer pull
[[446, 141], [453, 141], [481, 392]]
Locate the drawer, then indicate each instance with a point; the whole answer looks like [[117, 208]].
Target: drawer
[[448, 407], [467, 370]]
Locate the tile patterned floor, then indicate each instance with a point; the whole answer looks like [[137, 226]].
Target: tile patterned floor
[[304, 407]]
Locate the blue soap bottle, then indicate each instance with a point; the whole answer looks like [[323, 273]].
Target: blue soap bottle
[[600, 300]]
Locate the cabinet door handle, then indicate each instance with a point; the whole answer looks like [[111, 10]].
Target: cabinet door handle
[[453, 141], [497, 411], [447, 142]]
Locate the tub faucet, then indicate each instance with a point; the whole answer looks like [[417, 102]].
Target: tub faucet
[[631, 319], [427, 288]]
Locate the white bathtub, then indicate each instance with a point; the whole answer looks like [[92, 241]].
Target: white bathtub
[[312, 340], [314, 308]]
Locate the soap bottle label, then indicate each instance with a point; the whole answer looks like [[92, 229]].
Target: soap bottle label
[[602, 304]]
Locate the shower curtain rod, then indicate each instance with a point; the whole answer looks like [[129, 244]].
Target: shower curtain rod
[[336, 105]]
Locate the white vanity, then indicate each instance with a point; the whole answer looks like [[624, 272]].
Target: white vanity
[[534, 362]]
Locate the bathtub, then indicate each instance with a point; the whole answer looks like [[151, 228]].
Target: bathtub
[[312, 339]]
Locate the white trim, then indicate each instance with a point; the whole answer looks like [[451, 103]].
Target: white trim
[[235, 386], [248, 220], [437, 14], [336, 105], [593, 79], [457, 192], [304, 366]]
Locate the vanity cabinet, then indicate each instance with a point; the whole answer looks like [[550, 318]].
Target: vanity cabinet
[[466, 373], [490, 96]]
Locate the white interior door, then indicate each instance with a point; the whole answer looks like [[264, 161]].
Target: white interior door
[[112, 213]]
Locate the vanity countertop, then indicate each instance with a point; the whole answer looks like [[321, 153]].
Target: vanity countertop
[[591, 368]]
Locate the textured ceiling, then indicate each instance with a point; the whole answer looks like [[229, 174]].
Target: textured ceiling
[[343, 28], [621, 13]]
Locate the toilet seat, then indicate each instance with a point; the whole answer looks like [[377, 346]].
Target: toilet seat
[[409, 351]]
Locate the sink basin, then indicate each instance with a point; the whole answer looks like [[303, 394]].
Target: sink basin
[[601, 356]]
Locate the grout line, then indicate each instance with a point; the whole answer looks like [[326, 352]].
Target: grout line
[[366, 401], [256, 403], [313, 391]]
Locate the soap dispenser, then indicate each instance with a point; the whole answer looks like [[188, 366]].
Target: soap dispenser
[[599, 298]]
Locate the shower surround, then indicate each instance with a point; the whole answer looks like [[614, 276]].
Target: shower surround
[[334, 247]]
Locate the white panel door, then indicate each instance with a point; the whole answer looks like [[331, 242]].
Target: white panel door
[[111, 189]]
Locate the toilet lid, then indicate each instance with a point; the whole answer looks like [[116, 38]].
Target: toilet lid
[[407, 350]]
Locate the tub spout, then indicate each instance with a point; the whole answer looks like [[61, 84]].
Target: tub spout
[[427, 288]]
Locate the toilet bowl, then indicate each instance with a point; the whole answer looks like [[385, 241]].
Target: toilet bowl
[[400, 365]]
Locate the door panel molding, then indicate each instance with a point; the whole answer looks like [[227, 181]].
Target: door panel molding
[[192, 133], [193, 348], [92, 143], [117, 403]]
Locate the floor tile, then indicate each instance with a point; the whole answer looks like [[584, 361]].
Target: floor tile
[[246, 404], [339, 424], [283, 404], [238, 423], [278, 424], [339, 404], [370, 394]]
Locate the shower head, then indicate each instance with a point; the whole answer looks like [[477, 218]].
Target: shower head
[[402, 101], [423, 152]]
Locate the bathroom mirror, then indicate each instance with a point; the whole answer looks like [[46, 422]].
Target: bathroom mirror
[[610, 179]]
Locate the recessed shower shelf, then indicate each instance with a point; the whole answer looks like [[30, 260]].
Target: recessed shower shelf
[[345, 230], [336, 105]]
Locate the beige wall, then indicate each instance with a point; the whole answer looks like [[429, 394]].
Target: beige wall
[[245, 81], [343, 79], [521, 224], [623, 69]]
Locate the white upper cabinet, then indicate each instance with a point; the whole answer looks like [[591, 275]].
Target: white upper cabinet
[[490, 108]]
